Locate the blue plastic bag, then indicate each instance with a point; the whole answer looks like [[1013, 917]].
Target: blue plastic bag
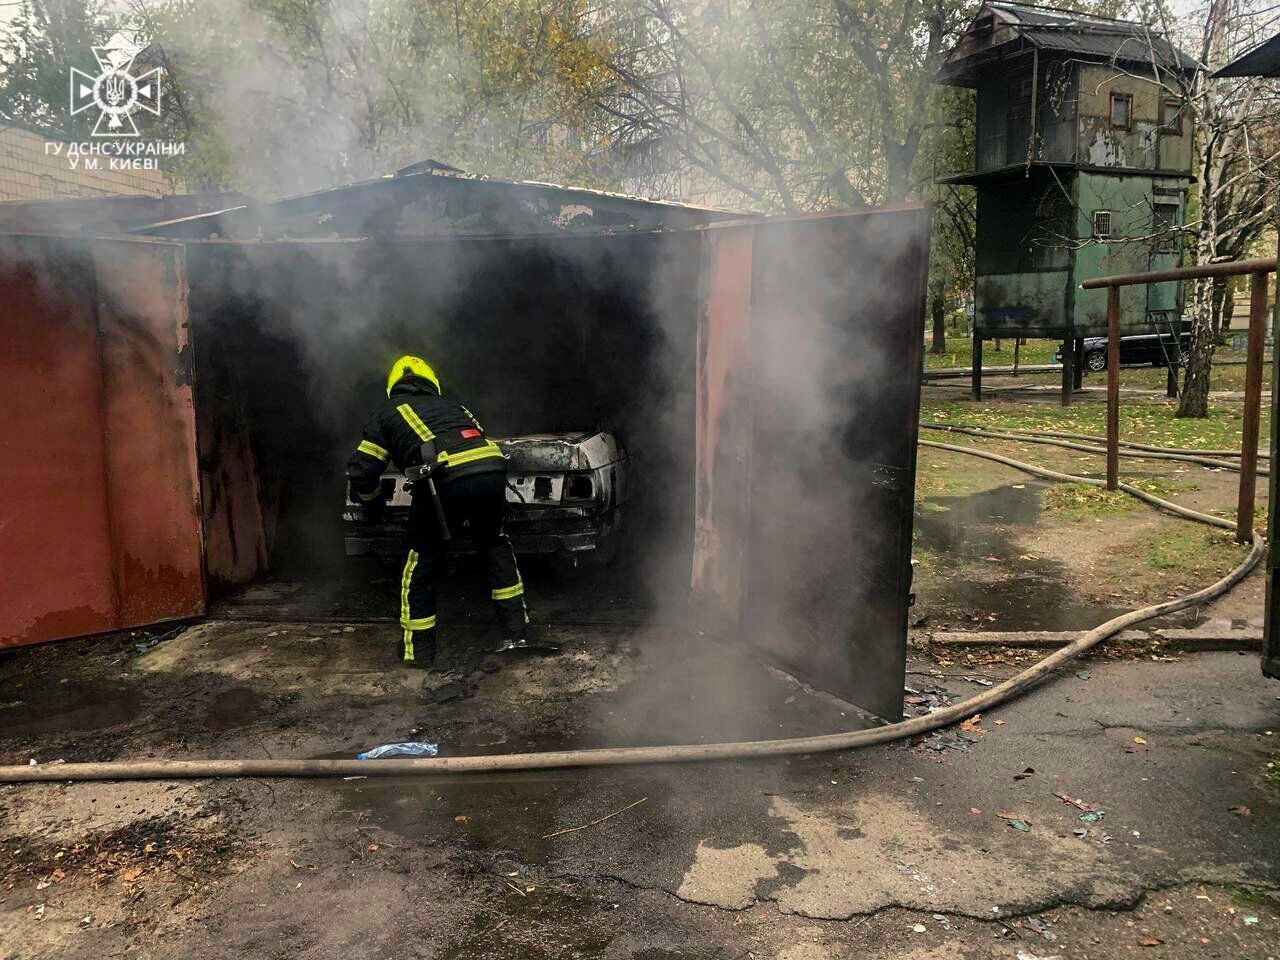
[[410, 749]]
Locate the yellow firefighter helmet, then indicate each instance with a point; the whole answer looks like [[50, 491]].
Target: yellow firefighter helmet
[[408, 366]]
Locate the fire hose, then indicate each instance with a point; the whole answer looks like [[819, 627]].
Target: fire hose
[[685, 753], [1066, 435], [1136, 451]]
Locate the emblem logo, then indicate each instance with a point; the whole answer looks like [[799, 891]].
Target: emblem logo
[[115, 91]]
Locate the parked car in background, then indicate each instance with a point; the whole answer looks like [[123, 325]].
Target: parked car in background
[[565, 493], [1139, 350]]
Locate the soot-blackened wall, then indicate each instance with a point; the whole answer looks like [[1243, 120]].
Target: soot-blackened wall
[[292, 342]]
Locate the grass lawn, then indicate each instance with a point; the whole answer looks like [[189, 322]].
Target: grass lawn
[[1192, 550], [1082, 501], [960, 353], [1146, 421]]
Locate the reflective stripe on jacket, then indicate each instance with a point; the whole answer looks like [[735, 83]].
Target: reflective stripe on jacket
[[415, 412]]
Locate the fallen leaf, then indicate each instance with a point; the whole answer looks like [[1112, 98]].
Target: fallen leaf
[[1240, 811], [999, 723], [295, 864], [461, 819], [57, 876], [1150, 942], [1024, 774], [973, 724], [131, 874], [975, 810], [372, 848], [1139, 740], [149, 848]]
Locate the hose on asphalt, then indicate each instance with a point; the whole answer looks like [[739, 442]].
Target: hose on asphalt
[[682, 753], [1138, 453]]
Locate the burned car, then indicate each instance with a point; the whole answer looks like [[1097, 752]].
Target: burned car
[[565, 493]]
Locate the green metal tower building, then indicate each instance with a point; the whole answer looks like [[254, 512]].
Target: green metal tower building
[[1082, 170]]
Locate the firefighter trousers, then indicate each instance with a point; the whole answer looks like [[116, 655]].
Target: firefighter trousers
[[480, 501]]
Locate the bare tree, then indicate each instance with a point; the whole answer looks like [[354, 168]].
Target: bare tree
[[1237, 163], [788, 105]]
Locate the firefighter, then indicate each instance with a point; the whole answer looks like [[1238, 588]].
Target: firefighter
[[469, 476]]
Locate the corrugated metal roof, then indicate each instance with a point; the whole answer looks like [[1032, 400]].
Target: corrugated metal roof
[[1033, 14], [1137, 46], [1262, 61]]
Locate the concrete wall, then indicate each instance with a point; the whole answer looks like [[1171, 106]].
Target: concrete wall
[[1146, 145]]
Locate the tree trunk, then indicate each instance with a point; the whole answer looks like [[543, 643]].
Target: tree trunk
[[1195, 384], [939, 319], [1223, 306]]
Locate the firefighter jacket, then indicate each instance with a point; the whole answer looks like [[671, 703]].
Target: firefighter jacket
[[412, 414]]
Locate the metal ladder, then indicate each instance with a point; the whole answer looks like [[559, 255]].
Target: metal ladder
[[1172, 364]]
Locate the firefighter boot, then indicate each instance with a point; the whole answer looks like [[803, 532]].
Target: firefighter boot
[[418, 649]]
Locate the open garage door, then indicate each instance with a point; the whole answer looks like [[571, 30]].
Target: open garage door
[[809, 356], [99, 508]]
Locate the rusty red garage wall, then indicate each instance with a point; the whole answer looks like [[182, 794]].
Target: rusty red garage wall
[[809, 354], [99, 512]]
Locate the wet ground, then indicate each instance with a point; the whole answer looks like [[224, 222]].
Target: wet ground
[[990, 527], [1127, 808], [900, 851], [365, 588]]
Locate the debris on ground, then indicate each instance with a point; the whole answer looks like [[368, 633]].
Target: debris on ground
[[1014, 820], [1074, 802], [409, 748], [558, 833], [1041, 927], [940, 740], [170, 848], [927, 700], [1093, 816], [448, 692], [144, 640]]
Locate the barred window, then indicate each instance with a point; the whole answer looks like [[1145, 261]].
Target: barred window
[[1102, 223]]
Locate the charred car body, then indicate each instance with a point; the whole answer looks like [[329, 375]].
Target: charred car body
[[565, 493]]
